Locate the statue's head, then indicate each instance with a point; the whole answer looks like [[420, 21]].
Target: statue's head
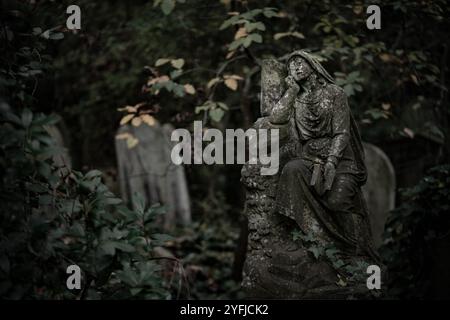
[[299, 68], [301, 65]]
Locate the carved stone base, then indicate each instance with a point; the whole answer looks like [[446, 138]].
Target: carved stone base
[[277, 266]]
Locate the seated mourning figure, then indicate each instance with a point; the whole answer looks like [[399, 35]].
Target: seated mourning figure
[[309, 228]]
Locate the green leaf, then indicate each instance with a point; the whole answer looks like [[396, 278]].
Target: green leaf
[[175, 74], [247, 41], [113, 201], [229, 22], [177, 63], [42, 120], [11, 117], [236, 43], [316, 251], [108, 248], [92, 174], [200, 109], [255, 26], [138, 203], [167, 6], [161, 238], [331, 252], [135, 291], [77, 230], [269, 13], [154, 211], [161, 61], [56, 36], [348, 88], [216, 114], [179, 90], [256, 37], [169, 85], [128, 276], [125, 247], [222, 105]]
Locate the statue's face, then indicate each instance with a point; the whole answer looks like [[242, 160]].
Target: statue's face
[[299, 68]]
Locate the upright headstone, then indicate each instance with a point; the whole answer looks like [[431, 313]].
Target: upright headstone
[[379, 189], [62, 160], [145, 166]]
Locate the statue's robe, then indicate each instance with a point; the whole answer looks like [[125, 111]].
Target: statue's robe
[[324, 127]]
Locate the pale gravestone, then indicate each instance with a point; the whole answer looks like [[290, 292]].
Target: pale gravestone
[[146, 167], [62, 159], [379, 189]]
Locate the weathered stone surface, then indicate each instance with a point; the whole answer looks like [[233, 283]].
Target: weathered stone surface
[[147, 168], [379, 189], [273, 73], [317, 264]]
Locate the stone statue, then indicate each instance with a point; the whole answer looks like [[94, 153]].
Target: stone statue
[[309, 229]]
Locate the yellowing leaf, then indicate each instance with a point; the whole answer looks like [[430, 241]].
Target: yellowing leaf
[[414, 79], [409, 132], [148, 119], [177, 63], [129, 109], [163, 78], [126, 119], [124, 135], [231, 83], [160, 62], [233, 76], [357, 9], [242, 32], [132, 142], [341, 282], [296, 34], [189, 88], [136, 121], [212, 82], [385, 57], [230, 54], [386, 106]]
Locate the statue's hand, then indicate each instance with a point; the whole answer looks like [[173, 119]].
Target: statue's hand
[[329, 173], [291, 83]]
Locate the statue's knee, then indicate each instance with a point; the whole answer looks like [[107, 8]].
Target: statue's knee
[[292, 167], [336, 202]]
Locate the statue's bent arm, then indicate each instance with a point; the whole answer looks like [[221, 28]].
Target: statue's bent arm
[[282, 110], [340, 123]]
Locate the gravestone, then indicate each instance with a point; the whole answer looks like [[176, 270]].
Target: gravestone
[[146, 167], [379, 189], [62, 160]]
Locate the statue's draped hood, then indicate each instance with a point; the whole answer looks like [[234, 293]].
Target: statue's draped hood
[[314, 63]]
